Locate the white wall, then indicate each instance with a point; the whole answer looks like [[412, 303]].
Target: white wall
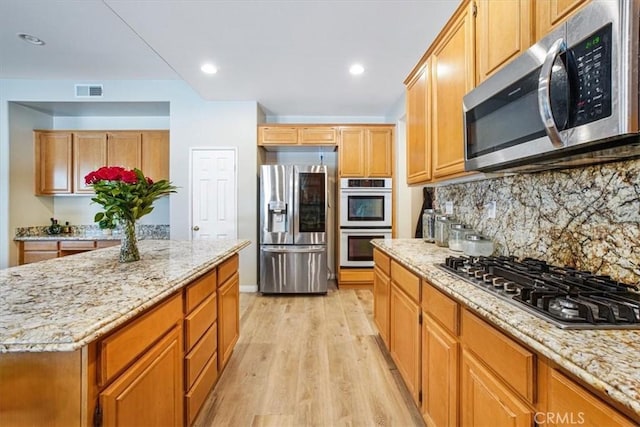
[[327, 119], [193, 123], [25, 208]]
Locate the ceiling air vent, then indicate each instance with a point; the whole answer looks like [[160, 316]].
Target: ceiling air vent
[[88, 91]]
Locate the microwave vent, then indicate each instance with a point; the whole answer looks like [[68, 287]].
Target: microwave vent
[[88, 91]]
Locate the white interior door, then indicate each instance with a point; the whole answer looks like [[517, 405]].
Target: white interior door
[[213, 194]]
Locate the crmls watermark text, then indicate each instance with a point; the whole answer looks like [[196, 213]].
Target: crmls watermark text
[[563, 418]]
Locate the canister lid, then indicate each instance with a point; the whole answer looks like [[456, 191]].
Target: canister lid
[[457, 226], [476, 237]]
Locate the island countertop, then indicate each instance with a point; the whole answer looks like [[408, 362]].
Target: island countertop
[[605, 359], [65, 303]]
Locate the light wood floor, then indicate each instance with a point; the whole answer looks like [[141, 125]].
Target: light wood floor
[[309, 361]]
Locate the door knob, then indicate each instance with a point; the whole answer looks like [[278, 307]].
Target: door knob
[[196, 228]]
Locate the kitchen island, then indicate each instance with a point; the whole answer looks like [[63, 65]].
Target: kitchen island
[[78, 334], [475, 330]]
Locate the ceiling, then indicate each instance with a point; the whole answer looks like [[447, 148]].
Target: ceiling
[[291, 56]]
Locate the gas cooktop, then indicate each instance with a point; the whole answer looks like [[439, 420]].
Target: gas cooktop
[[568, 298]]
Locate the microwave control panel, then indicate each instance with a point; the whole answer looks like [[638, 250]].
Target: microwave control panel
[[593, 62]]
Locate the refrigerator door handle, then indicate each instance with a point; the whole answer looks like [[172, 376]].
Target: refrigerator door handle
[[303, 250]]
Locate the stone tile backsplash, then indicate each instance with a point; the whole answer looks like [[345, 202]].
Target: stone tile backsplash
[[588, 218]]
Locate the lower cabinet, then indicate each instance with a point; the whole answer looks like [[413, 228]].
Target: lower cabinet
[[463, 371], [39, 250], [404, 327], [439, 374], [486, 401], [154, 383], [228, 309]]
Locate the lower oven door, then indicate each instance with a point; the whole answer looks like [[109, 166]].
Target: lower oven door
[[288, 269], [356, 249]]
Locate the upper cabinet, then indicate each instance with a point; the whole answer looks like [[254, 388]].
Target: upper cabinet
[[419, 125], [64, 158], [53, 162], [550, 13], [452, 77], [287, 135], [366, 151], [503, 31]]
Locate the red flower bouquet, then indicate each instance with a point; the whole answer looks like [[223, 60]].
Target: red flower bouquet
[[126, 196]]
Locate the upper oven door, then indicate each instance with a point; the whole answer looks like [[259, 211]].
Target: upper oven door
[[365, 208]]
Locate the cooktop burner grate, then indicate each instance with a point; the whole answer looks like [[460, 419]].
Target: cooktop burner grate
[[569, 298]]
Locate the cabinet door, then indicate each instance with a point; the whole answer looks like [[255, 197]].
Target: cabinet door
[[150, 392], [404, 338], [550, 13], [452, 77], [570, 404], [53, 162], [89, 154], [318, 135], [277, 135], [352, 152], [228, 319], [503, 30], [419, 126], [381, 294], [124, 149], [379, 152], [485, 401], [439, 375], [155, 154]]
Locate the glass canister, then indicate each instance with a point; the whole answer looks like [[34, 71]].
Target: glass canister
[[456, 236], [441, 236], [477, 245], [429, 225]]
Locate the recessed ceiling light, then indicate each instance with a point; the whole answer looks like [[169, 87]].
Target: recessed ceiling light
[[209, 69], [356, 69], [31, 39]]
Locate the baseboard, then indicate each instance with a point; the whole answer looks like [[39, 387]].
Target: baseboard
[[249, 288]]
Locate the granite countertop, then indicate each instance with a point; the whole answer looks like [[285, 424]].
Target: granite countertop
[[606, 359], [70, 236], [65, 303]]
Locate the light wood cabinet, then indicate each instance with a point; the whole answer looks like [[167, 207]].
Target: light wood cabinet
[[486, 401], [570, 404], [89, 154], [366, 151], [311, 135], [124, 149], [155, 154], [404, 328], [439, 374], [228, 310], [550, 13], [503, 31], [152, 383], [54, 171], [419, 126], [39, 250], [381, 294], [453, 75], [64, 158]]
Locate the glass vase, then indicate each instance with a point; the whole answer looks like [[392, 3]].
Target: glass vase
[[128, 243]]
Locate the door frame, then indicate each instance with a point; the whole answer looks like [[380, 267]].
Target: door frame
[[192, 150]]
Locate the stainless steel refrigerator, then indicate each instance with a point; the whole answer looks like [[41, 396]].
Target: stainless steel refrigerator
[[293, 229]]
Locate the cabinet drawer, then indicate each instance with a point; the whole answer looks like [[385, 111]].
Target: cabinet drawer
[[441, 307], [49, 245], [122, 347], [200, 289], [381, 260], [197, 322], [200, 354], [406, 280], [77, 244], [200, 390], [509, 360], [35, 256], [227, 268], [106, 243]]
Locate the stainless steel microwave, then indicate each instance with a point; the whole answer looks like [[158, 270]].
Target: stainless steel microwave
[[571, 99]]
